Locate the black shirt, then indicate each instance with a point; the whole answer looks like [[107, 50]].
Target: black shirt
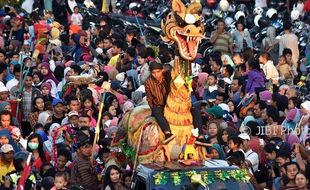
[[57, 120]]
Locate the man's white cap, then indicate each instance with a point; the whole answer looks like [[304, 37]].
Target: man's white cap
[[3, 89]]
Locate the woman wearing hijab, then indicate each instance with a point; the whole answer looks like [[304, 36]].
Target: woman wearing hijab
[[67, 73], [47, 73], [44, 118], [38, 79], [216, 152], [270, 44], [55, 135]]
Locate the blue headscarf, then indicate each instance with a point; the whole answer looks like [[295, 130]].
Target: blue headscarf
[[218, 148], [10, 75], [42, 134], [3, 105]]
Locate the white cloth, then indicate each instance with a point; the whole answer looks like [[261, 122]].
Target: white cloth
[[13, 82], [290, 41], [253, 158], [54, 92], [27, 6], [271, 71]]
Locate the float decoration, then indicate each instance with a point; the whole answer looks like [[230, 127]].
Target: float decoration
[[204, 178]]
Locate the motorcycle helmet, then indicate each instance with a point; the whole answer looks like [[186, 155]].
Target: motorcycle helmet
[[258, 11], [207, 12], [239, 14], [256, 19], [228, 21], [271, 12], [211, 3], [295, 15], [224, 5], [241, 7]]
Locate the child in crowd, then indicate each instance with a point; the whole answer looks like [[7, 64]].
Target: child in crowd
[[6, 120], [63, 160], [234, 143], [127, 180], [76, 17], [61, 180], [88, 107], [210, 91], [284, 69]]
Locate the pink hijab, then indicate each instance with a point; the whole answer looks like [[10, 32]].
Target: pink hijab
[[202, 78]]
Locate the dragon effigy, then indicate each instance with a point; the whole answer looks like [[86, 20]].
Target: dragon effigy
[[183, 27]]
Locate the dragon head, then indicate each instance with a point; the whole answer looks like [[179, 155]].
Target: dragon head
[[183, 26]]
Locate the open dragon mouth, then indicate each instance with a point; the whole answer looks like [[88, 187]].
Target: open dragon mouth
[[188, 45]]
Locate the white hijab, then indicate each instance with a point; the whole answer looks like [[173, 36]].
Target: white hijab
[[42, 119]]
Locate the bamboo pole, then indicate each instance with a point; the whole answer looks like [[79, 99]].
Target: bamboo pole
[[97, 131]]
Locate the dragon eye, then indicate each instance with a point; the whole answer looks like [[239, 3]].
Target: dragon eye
[[180, 21]]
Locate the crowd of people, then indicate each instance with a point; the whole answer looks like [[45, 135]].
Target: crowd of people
[[251, 109]]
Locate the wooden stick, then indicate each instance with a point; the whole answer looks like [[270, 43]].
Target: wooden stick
[[97, 131]]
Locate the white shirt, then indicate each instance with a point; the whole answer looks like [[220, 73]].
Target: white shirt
[[253, 158], [271, 71], [76, 19], [13, 82]]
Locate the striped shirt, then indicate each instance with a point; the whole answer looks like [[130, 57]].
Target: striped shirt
[[84, 174], [222, 43], [157, 92]]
